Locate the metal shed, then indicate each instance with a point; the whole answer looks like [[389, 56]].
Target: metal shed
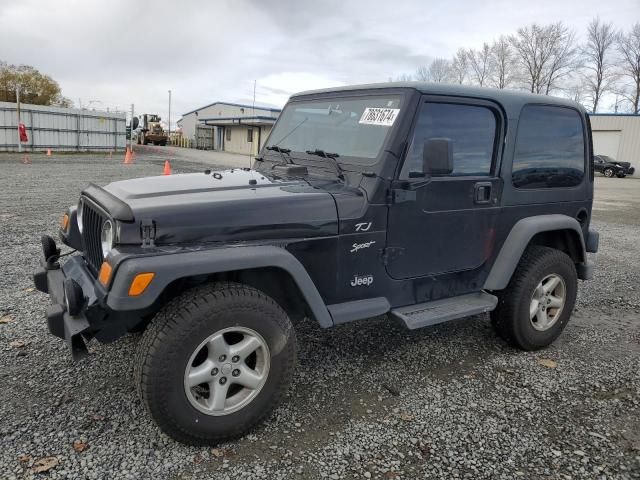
[[617, 136], [61, 129]]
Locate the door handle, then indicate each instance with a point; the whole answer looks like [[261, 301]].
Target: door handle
[[482, 193]]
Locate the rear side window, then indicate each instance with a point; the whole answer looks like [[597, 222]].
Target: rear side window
[[549, 148], [471, 129]]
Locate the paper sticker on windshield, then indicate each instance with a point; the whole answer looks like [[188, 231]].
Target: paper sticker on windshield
[[379, 116]]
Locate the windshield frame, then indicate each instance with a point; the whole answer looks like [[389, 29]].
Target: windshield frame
[[358, 162]]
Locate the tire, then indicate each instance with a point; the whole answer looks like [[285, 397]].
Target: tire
[[163, 144], [608, 172], [513, 319], [168, 346], [621, 175]]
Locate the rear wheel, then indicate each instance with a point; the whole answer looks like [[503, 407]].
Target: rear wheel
[[537, 304], [215, 362], [608, 172]]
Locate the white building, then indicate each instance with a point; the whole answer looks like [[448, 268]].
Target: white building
[[231, 127], [617, 136]]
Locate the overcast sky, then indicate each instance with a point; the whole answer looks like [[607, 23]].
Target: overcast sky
[[119, 52]]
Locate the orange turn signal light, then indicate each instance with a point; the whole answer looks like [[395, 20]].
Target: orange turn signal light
[[140, 283], [105, 273], [64, 223]]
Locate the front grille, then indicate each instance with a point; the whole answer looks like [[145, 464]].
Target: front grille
[[92, 221]]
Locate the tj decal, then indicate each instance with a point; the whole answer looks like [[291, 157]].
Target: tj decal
[[363, 227]]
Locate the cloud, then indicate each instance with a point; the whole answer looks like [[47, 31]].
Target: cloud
[[121, 52]]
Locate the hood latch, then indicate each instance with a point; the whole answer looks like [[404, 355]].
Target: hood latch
[[148, 232]]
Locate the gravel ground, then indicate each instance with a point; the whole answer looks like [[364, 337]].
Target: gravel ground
[[369, 400]]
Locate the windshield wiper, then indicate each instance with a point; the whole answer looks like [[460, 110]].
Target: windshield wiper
[[278, 149], [322, 153], [282, 151], [332, 156]]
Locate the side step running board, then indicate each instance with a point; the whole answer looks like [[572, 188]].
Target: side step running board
[[438, 311]]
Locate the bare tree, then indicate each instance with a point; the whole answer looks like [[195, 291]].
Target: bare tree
[[480, 63], [600, 76], [629, 48], [460, 66], [576, 90], [438, 71], [502, 62], [404, 77], [422, 73], [564, 56], [546, 54]]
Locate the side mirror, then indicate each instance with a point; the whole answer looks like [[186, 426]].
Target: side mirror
[[437, 156], [136, 122]]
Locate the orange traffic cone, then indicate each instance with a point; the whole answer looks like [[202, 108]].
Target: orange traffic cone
[[167, 168], [128, 158], [48, 152]]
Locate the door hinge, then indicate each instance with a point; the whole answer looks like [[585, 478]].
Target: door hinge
[[148, 232], [401, 195], [391, 253]]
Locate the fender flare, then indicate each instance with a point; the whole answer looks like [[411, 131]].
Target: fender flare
[[170, 267], [518, 239]]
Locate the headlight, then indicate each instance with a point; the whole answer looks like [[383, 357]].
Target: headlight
[[79, 215], [106, 237]]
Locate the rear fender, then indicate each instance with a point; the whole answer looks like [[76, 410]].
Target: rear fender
[[519, 238]]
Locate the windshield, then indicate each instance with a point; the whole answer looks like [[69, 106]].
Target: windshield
[[355, 128]]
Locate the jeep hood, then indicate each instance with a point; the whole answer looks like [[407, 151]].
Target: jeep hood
[[232, 205]]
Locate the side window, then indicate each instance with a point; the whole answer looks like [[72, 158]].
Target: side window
[[249, 135], [549, 148], [471, 130]]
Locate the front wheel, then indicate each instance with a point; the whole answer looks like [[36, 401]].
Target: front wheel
[[215, 362], [608, 172], [537, 304]]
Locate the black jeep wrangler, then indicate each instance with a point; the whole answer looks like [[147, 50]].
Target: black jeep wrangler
[[426, 203], [610, 167]]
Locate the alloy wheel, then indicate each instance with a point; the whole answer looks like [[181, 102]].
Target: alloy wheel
[[227, 371], [547, 302]]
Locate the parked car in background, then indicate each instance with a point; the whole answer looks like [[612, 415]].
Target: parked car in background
[[610, 167]]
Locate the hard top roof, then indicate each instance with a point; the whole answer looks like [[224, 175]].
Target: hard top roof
[[503, 96]]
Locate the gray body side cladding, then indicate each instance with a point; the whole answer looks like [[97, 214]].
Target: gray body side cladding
[[359, 309], [518, 239], [168, 268]]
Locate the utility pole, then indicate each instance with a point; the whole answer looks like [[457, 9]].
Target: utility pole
[[169, 133], [131, 129], [18, 112]]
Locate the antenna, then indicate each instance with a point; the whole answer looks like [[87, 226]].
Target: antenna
[[253, 114]]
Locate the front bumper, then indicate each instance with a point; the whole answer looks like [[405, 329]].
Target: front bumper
[[50, 279]]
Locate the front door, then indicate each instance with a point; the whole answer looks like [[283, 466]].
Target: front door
[[439, 224]]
